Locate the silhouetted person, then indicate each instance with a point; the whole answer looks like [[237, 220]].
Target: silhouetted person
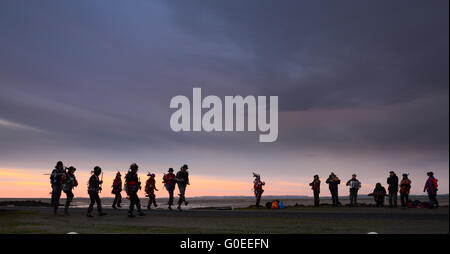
[[258, 188], [56, 182], [94, 188], [182, 178], [68, 183], [117, 190], [133, 185], [169, 181], [405, 187], [431, 186], [315, 186], [392, 181], [150, 188], [354, 185], [378, 195], [333, 181]]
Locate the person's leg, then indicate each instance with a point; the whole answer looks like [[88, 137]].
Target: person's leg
[[132, 203], [119, 200], [99, 204], [390, 199], [316, 198], [116, 199], [91, 204], [154, 200], [69, 198], [57, 198], [181, 188], [395, 199]]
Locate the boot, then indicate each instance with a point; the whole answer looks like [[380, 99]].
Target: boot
[[170, 207], [66, 210]]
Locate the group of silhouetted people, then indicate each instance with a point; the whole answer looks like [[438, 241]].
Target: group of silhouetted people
[[379, 193], [63, 179]]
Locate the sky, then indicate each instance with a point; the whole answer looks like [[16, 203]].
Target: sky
[[362, 86]]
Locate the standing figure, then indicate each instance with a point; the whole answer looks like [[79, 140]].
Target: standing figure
[[431, 186], [379, 193], [68, 183], [405, 187], [94, 188], [132, 186], [150, 187], [315, 186], [117, 190], [258, 188], [333, 182], [55, 180], [169, 181], [354, 185], [182, 178], [392, 181]]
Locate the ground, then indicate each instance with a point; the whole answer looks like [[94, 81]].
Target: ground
[[292, 220]]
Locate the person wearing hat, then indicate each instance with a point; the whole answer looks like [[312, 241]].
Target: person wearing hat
[[258, 188], [354, 185], [392, 181], [68, 183], [55, 181], [405, 187], [315, 186], [132, 186], [182, 178], [94, 188], [333, 181], [431, 186], [150, 187], [117, 190], [169, 181]]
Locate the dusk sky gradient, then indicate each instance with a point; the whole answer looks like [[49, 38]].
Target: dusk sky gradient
[[363, 87]]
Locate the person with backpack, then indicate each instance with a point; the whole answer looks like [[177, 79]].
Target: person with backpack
[[94, 187], [379, 193], [182, 179], [315, 186], [117, 190], [333, 181], [150, 187], [405, 187], [354, 185], [68, 183], [258, 188], [392, 181], [56, 182], [431, 186], [169, 181], [132, 186]]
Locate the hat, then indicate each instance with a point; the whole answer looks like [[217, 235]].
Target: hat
[[134, 166], [185, 166], [353, 174], [391, 172], [118, 173], [59, 163], [97, 168], [71, 168], [430, 173], [404, 174], [170, 170], [316, 176], [150, 174]]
